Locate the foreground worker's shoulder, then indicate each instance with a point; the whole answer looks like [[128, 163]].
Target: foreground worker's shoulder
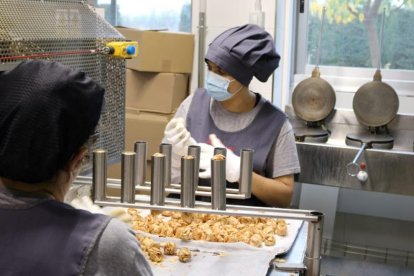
[[117, 252]]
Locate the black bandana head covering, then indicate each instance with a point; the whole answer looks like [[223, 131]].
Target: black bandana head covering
[[47, 112]]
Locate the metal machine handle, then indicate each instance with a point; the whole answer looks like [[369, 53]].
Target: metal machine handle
[[353, 167], [318, 54]]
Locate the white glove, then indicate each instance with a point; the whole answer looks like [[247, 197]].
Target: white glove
[[85, 203], [118, 213], [232, 160], [178, 136], [206, 153]]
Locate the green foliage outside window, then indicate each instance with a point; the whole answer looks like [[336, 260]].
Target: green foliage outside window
[[351, 34]]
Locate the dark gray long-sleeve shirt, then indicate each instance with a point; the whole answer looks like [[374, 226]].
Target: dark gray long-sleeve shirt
[[115, 252]]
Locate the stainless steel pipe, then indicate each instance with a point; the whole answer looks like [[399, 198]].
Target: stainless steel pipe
[[140, 148], [201, 47], [157, 179], [128, 177], [166, 149], [246, 171], [222, 151], [312, 258], [99, 174], [187, 181], [218, 183], [195, 151]]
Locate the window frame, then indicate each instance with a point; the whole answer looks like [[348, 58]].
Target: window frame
[[344, 79]]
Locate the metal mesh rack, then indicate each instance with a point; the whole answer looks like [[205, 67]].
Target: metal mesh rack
[[72, 33]]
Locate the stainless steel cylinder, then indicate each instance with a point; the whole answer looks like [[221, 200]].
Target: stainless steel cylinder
[[187, 181], [222, 151], [157, 179], [246, 172], [128, 177], [195, 151], [218, 183], [99, 174], [140, 148], [201, 48], [166, 149], [312, 259]]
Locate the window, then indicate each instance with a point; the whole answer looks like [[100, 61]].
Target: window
[[351, 33], [350, 49], [172, 15]]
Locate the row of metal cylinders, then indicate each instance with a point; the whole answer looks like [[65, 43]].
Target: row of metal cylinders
[[133, 165]]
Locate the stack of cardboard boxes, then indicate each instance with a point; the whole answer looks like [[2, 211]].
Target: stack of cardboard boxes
[[157, 81]]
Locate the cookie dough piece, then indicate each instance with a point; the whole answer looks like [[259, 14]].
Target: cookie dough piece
[[256, 240], [170, 248], [269, 240], [184, 255], [155, 254], [281, 229]]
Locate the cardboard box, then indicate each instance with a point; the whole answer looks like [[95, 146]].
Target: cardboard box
[[145, 126], [114, 171], [155, 92], [161, 51], [142, 126]]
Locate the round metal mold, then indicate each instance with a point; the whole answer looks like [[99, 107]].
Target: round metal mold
[[375, 104], [313, 99]]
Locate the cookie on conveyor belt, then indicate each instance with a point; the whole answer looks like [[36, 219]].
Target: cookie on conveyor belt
[[184, 255], [169, 248]]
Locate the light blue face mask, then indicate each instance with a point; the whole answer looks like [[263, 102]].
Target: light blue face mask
[[217, 86]]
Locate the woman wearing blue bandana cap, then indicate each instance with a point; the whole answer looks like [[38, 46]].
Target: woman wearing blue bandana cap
[[226, 113]]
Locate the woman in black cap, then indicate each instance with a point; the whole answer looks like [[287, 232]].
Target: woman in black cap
[[226, 113], [47, 113]]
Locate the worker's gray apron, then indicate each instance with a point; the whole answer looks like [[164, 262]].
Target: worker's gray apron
[[259, 135], [50, 238]]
